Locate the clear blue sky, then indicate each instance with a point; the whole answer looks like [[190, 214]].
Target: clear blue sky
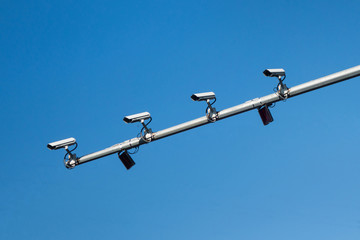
[[75, 69]]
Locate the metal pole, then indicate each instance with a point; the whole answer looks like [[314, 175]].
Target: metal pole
[[244, 107]]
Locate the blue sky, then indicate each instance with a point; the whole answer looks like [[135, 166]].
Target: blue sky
[[75, 69]]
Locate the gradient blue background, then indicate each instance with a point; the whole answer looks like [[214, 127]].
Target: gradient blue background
[[76, 68]]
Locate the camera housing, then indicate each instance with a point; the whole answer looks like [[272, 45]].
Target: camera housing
[[137, 117], [276, 72], [203, 96], [62, 143]]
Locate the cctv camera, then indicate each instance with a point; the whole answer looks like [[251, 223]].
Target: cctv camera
[[279, 72], [61, 144], [137, 117], [203, 96]]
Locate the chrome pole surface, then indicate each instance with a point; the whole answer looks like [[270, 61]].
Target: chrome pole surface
[[244, 107]]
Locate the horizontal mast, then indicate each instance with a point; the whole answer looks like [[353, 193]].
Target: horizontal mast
[[244, 107]]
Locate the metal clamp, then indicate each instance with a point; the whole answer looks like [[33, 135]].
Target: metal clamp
[[282, 89], [146, 133], [72, 159], [211, 113]]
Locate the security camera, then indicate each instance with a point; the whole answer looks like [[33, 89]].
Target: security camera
[[278, 72], [137, 117], [210, 111], [203, 96], [61, 144], [282, 89]]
